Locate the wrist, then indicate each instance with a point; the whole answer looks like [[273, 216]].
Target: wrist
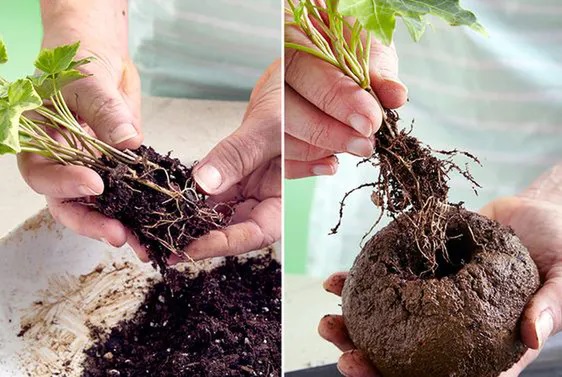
[[66, 21]]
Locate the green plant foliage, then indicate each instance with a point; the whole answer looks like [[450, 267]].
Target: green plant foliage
[[379, 16], [3, 52], [58, 59], [20, 97]]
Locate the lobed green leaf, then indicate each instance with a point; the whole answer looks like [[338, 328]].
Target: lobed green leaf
[[378, 16], [58, 59], [46, 85], [21, 97]]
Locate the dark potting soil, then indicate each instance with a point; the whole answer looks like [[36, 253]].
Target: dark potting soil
[[460, 319], [162, 224], [226, 322]]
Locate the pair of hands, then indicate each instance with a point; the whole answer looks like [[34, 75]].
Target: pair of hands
[[245, 166], [536, 218], [326, 113]]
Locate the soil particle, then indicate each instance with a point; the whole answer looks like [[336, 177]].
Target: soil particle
[[226, 322], [460, 319], [163, 224]]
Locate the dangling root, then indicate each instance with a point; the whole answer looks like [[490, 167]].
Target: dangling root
[[412, 185]]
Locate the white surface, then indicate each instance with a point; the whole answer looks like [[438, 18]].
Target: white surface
[[305, 302]]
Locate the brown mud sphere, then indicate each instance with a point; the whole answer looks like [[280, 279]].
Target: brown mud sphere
[[163, 224], [222, 323], [458, 319]]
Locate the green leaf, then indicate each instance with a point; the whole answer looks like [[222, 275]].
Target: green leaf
[[81, 62], [378, 16], [58, 59], [416, 27], [3, 90], [21, 97], [9, 129], [45, 85], [3, 52]]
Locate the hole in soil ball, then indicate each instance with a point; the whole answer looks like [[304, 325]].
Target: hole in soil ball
[[460, 250]]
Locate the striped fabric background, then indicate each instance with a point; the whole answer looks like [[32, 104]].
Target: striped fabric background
[[499, 98], [203, 49]]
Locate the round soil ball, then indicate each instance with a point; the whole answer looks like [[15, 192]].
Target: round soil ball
[[460, 319]]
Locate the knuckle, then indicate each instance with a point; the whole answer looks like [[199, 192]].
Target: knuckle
[[240, 153], [103, 108], [317, 133], [330, 97]]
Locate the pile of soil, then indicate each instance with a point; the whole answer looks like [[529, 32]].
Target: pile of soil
[[226, 322], [163, 225], [458, 319]]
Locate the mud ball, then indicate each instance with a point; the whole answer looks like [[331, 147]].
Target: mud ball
[[460, 319]]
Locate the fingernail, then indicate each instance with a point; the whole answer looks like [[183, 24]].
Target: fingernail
[[87, 191], [544, 327], [322, 170], [122, 133], [208, 178], [361, 124], [360, 147]]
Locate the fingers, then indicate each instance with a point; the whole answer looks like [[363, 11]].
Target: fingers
[[332, 328], [384, 76], [58, 181], [332, 92], [299, 150], [334, 283], [355, 364], [257, 141], [543, 314], [261, 229], [88, 222], [303, 169], [307, 123], [98, 101]]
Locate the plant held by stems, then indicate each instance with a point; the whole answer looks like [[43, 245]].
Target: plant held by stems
[[35, 118], [412, 182]]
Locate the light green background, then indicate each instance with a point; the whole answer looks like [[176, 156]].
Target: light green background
[[20, 27]]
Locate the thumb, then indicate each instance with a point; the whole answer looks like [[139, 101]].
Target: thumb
[[543, 315], [106, 109], [384, 76], [236, 157]]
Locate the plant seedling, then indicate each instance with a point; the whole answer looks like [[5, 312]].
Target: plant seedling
[[154, 195], [410, 177]]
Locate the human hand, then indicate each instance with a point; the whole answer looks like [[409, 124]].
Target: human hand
[[246, 168], [536, 218], [108, 102], [327, 113]]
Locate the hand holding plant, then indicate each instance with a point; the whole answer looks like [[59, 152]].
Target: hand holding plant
[[107, 100], [326, 111], [153, 195]]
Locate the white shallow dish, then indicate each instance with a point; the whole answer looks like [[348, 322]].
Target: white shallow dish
[[38, 258]]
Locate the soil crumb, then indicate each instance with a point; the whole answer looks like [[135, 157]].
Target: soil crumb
[[223, 322], [162, 223]]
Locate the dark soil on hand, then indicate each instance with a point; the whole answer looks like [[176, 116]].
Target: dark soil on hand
[[460, 319], [164, 225], [226, 322]]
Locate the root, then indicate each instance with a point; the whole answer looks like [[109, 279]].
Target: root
[[412, 185]]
